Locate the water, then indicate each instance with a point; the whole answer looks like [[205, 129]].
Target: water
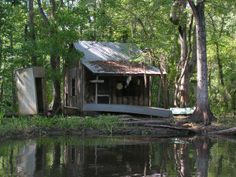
[[117, 157]]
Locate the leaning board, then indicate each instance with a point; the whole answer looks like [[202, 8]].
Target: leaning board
[[118, 108]]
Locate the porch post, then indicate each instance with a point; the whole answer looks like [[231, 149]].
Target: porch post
[[96, 90]]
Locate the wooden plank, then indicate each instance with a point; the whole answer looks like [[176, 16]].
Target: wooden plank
[[96, 81], [150, 91], [143, 110]]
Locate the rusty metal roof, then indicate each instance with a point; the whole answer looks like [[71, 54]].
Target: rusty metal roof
[[120, 67], [113, 58]]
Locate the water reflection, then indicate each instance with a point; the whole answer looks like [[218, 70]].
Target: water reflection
[[117, 157], [202, 145]]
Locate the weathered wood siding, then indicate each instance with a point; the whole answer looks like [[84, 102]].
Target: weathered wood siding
[[130, 90], [70, 99]]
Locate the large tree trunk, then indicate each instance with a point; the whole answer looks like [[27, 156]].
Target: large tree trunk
[[181, 98], [182, 85], [202, 112], [55, 65]]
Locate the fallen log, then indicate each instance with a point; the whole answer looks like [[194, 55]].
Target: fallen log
[[229, 131], [144, 122], [168, 126]]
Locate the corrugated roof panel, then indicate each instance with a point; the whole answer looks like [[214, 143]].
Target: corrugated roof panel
[[113, 58], [106, 50], [120, 67]]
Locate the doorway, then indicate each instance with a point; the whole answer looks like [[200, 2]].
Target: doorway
[[39, 94]]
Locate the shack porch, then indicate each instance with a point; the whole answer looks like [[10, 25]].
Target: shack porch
[[108, 80]]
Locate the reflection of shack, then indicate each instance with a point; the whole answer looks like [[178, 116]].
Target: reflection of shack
[[25, 161], [107, 80], [30, 90]]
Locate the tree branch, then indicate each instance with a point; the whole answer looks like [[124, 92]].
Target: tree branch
[[138, 20], [193, 7], [43, 14], [53, 4]]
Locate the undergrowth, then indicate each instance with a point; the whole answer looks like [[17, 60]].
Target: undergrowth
[[103, 122]]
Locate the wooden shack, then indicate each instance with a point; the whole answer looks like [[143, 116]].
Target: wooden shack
[[107, 79], [30, 91]]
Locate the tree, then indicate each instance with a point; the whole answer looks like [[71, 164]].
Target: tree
[[32, 31], [202, 112], [54, 57], [221, 31], [181, 18]]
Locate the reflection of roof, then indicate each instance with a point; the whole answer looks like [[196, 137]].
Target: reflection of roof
[[120, 67], [112, 58]]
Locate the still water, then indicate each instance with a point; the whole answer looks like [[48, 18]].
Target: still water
[[117, 157]]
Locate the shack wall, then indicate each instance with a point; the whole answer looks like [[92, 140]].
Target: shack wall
[[130, 90], [70, 95], [73, 89]]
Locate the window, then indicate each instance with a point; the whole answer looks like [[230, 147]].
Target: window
[[73, 87]]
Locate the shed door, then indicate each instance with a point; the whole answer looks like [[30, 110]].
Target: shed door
[[39, 93]]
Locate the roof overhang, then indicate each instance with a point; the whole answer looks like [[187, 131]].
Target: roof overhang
[[122, 67], [112, 58]]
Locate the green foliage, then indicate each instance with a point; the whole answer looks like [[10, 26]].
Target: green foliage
[[144, 22], [103, 123], [221, 33], [1, 117]]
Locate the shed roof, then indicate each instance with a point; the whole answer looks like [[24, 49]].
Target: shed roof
[[113, 58], [120, 67]]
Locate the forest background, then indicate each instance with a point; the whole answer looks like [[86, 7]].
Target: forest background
[[42, 33]]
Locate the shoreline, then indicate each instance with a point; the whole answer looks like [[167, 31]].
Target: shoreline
[[32, 127]]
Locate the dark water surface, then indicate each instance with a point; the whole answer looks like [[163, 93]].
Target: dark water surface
[[117, 157]]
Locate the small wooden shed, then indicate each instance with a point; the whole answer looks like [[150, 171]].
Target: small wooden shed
[[31, 91], [107, 79]]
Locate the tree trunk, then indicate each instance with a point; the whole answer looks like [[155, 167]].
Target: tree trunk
[[54, 60], [182, 79], [182, 85], [1, 79], [32, 31], [55, 65], [221, 76], [202, 112]]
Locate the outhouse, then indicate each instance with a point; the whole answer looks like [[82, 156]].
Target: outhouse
[[31, 91]]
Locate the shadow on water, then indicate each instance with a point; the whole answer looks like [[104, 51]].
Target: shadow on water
[[118, 157]]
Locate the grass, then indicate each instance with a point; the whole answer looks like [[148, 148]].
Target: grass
[[17, 124]]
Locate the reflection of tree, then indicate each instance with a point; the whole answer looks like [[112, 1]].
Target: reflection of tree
[[55, 169], [182, 160], [202, 145], [161, 154], [40, 162]]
